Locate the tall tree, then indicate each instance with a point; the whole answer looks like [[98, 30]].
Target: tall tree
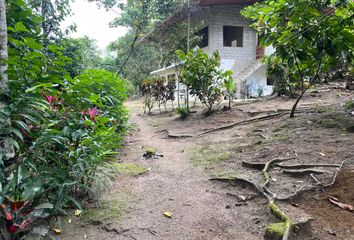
[[4, 88], [53, 13], [308, 35]]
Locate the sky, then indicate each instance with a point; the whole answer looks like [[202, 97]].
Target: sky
[[94, 22]]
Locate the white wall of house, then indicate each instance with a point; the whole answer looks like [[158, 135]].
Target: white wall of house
[[258, 80], [241, 60], [221, 16]]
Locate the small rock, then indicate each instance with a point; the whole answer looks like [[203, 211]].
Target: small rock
[[228, 206], [330, 231], [295, 205], [238, 204]]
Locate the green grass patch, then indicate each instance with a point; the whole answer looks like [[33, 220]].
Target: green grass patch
[[209, 156], [340, 121], [107, 211], [349, 105], [129, 168], [320, 109]]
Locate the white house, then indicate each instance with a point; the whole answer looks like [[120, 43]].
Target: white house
[[227, 31]]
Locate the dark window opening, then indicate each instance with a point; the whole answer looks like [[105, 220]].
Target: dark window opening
[[233, 36], [204, 37], [270, 81], [171, 77]]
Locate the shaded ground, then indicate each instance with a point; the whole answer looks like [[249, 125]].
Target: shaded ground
[[178, 182]]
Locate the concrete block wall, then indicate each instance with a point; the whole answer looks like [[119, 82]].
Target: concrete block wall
[[221, 16]]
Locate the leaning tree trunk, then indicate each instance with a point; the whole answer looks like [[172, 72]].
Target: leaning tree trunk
[[4, 86]]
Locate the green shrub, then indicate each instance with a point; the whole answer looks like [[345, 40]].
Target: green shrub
[[183, 112], [349, 105], [64, 137], [203, 75]]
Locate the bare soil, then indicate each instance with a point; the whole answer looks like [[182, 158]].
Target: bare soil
[[179, 181]]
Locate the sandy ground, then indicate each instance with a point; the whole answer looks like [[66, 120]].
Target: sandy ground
[[179, 181]]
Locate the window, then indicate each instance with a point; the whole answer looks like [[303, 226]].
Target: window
[[171, 77], [204, 37], [233, 36], [270, 81]]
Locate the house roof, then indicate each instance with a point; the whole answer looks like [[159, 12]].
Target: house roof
[[225, 2], [195, 8]]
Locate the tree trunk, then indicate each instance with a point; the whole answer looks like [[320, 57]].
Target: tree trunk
[[4, 85], [44, 25], [292, 113]]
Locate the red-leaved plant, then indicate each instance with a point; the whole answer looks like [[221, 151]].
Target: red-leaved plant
[[17, 218]]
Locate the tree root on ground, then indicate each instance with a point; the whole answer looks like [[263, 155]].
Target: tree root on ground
[[300, 172], [255, 165], [281, 230], [172, 135], [271, 116], [267, 167], [300, 166]]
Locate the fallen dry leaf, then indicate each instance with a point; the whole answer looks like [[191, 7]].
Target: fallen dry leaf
[[168, 214], [344, 206], [77, 213], [57, 231]]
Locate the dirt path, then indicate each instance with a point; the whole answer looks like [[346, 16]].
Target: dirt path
[[201, 210], [204, 210]]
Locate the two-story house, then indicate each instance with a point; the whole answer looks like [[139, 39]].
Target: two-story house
[[227, 31]]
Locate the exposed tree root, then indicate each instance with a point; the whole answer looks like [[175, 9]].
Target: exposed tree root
[[282, 230], [119, 231], [279, 230], [300, 172], [335, 176], [267, 167], [171, 135], [271, 116], [255, 165], [238, 179], [300, 166]]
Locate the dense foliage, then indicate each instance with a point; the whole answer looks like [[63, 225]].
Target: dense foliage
[[158, 90], [151, 41], [204, 78], [59, 129], [307, 35]]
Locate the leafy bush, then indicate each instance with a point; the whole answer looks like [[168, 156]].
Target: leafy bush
[[202, 74], [349, 105], [64, 139], [157, 90], [57, 134], [170, 90], [147, 91], [183, 112], [230, 89]]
